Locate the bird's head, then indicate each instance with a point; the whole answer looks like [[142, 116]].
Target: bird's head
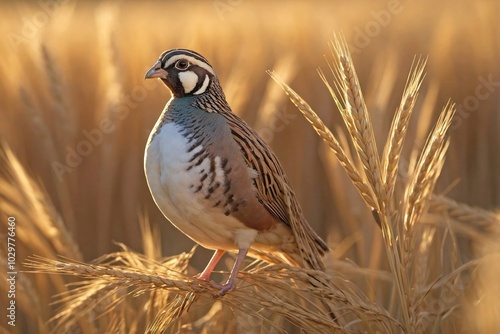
[[185, 72]]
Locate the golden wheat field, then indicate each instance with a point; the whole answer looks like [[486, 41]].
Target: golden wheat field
[[384, 114]]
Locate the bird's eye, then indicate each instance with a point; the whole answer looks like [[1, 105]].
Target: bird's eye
[[182, 64]]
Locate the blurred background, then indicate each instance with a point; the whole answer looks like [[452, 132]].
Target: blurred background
[[76, 111]]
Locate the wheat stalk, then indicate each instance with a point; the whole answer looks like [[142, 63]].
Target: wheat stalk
[[428, 167], [325, 134], [28, 194], [380, 173], [273, 98], [267, 282], [479, 219], [355, 114], [399, 126], [60, 102], [51, 153]]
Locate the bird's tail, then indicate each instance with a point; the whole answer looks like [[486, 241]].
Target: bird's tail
[[311, 248]]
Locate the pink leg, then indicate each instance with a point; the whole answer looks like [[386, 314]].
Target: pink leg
[[205, 275], [231, 282]]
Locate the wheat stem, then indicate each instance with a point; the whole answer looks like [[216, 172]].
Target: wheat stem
[[399, 126], [328, 138]]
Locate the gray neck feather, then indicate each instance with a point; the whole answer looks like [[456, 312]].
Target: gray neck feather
[[198, 113], [198, 126]]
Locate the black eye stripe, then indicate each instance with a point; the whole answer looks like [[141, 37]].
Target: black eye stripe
[[166, 55], [163, 62]]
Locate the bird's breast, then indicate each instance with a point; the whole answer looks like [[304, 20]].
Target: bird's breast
[[187, 184]]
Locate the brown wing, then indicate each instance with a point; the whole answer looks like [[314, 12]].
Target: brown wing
[[270, 174], [271, 178], [269, 182]]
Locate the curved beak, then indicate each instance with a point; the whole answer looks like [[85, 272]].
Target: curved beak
[[156, 72]]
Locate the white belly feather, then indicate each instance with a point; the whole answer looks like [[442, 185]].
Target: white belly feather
[[171, 184]]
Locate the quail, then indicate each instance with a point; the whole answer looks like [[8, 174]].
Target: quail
[[216, 180]]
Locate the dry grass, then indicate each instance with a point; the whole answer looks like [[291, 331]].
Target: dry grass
[[411, 253]]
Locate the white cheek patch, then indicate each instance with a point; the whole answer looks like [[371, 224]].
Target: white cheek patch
[[188, 79], [203, 87]]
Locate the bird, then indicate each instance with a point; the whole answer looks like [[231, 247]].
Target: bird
[[216, 180]]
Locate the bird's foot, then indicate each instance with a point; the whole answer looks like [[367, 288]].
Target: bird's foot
[[229, 286]]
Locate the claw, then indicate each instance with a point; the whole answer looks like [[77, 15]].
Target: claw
[[225, 288], [231, 282], [230, 285]]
